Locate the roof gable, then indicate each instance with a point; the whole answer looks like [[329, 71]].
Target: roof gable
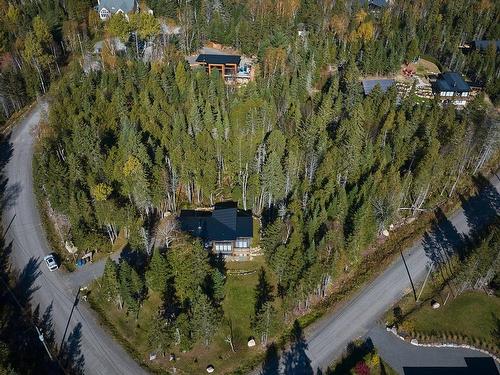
[[113, 6], [452, 82], [374, 3], [224, 223]]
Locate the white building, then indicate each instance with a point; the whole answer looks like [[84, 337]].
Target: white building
[[106, 8]]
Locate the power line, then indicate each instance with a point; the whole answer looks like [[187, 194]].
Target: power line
[[38, 331], [104, 353]]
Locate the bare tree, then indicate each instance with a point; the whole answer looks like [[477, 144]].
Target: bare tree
[[166, 231]]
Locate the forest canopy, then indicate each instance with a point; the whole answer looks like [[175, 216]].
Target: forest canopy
[[326, 169]]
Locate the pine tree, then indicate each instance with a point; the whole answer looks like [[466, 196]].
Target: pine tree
[[160, 334], [204, 318], [110, 287], [218, 280], [158, 272], [131, 288], [265, 322]]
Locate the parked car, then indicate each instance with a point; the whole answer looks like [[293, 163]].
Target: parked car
[[51, 262]]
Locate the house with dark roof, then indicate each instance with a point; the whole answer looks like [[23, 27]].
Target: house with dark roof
[[106, 8], [225, 229], [375, 4], [227, 65], [483, 45], [450, 87], [370, 84]]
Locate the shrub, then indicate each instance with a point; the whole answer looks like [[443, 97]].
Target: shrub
[[374, 361], [361, 368]]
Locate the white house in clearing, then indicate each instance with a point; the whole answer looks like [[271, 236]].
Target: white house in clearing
[[107, 8]]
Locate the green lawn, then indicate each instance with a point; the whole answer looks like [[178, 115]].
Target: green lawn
[[238, 308], [472, 314]]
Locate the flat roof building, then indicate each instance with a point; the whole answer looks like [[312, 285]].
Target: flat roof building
[[370, 84], [227, 65]]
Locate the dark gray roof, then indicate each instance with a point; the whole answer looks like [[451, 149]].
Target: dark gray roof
[[374, 3], [126, 6], [224, 223], [452, 82], [483, 45], [369, 84], [219, 59]]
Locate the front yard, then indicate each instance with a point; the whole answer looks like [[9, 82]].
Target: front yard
[[238, 309], [472, 315]]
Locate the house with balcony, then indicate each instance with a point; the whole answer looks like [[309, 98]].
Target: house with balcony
[[224, 229], [230, 67], [451, 88], [106, 8]]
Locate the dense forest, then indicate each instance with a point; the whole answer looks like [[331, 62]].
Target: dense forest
[[378, 41], [34, 45], [326, 168], [37, 38]]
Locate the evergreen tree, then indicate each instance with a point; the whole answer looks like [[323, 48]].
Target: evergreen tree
[[204, 318], [110, 287], [158, 272]]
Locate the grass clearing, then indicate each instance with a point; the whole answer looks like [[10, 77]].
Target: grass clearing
[[472, 314], [238, 307]]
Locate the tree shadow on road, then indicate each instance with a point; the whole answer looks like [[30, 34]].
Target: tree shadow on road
[[442, 241], [45, 323], [482, 208], [24, 352], [271, 364], [295, 359], [24, 287], [71, 357]]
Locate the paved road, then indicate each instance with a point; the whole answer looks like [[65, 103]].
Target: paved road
[[21, 220], [329, 337], [398, 353], [85, 275], [326, 340]]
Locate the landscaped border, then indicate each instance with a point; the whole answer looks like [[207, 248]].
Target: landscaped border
[[414, 341]]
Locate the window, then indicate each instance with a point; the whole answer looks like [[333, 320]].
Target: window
[[465, 94], [104, 13], [223, 247], [446, 93], [242, 243]]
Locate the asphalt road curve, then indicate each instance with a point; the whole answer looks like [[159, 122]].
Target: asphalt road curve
[[54, 292], [327, 339]]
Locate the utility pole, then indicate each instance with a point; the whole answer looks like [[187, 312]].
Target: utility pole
[[409, 276], [42, 339]]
